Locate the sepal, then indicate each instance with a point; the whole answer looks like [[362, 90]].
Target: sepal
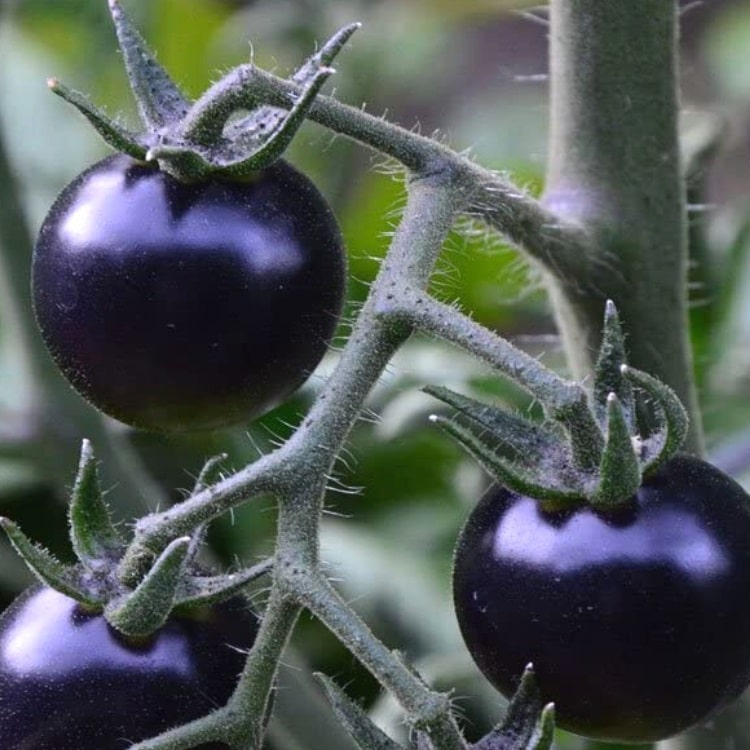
[[92, 533], [620, 469], [674, 422], [325, 56], [160, 101], [194, 141], [523, 479], [520, 435], [136, 600], [204, 591], [277, 132], [589, 449], [608, 377], [210, 473], [529, 724], [305, 75], [119, 138], [67, 579], [359, 725], [253, 141], [147, 607]]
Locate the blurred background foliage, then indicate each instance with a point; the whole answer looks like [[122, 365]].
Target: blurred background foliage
[[473, 73]]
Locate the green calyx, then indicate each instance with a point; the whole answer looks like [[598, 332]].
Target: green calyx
[[528, 724], [172, 581], [195, 140], [600, 460]]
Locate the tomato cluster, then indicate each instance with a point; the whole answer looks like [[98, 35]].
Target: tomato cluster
[[637, 620], [175, 306]]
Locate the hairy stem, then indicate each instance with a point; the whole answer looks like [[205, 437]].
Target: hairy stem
[[563, 400], [427, 710], [252, 696], [551, 239]]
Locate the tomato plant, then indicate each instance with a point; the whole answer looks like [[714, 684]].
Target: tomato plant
[[69, 681], [636, 620], [636, 631], [174, 306]]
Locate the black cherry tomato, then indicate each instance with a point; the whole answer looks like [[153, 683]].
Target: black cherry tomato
[[637, 621], [174, 306], [69, 681]]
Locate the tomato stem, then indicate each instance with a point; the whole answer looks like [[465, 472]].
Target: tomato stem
[[612, 73], [428, 711]]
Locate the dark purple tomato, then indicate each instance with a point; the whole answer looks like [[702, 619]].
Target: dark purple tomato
[[68, 681], [637, 621], [174, 306]]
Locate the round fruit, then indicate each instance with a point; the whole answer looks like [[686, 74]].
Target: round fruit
[[68, 681], [174, 306], [637, 620]]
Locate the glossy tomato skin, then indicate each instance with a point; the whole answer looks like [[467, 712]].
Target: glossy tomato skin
[[637, 621], [174, 306], [68, 681]]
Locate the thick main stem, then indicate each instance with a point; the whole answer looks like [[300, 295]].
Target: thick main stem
[[614, 166]]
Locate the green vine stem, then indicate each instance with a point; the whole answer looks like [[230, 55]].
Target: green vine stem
[[242, 721], [613, 69], [429, 712], [563, 400], [553, 241]]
